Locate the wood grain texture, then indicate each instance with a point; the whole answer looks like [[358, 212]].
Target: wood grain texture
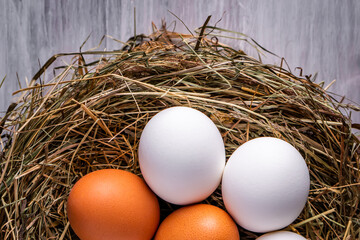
[[320, 36]]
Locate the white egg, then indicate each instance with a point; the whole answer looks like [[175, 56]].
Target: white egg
[[265, 184], [281, 235], [181, 155]]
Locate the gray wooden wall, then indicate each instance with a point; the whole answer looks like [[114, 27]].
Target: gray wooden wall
[[320, 36]]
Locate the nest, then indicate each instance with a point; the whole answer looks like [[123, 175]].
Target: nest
[[90, 117]]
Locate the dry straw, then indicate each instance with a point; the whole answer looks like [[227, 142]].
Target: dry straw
[[90, 117]]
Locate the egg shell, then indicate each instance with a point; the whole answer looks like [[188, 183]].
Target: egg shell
[[265, 184], [113, 205], [181, 155], [281, 235], [200, 222]]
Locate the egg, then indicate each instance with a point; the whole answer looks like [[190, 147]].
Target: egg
[[113, 204], [265, 184], [281, 235], [200, 222], [181, 155]]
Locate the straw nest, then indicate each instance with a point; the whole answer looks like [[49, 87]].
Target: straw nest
[[90, 117]]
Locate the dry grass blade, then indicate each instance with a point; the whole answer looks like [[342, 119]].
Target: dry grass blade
[[66, 128]]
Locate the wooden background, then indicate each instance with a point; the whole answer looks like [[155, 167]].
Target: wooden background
[[320, 36]]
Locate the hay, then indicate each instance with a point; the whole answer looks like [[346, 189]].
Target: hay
[[90, 117]]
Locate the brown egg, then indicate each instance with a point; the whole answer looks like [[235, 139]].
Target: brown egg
[[200, 222], [113, 204]]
